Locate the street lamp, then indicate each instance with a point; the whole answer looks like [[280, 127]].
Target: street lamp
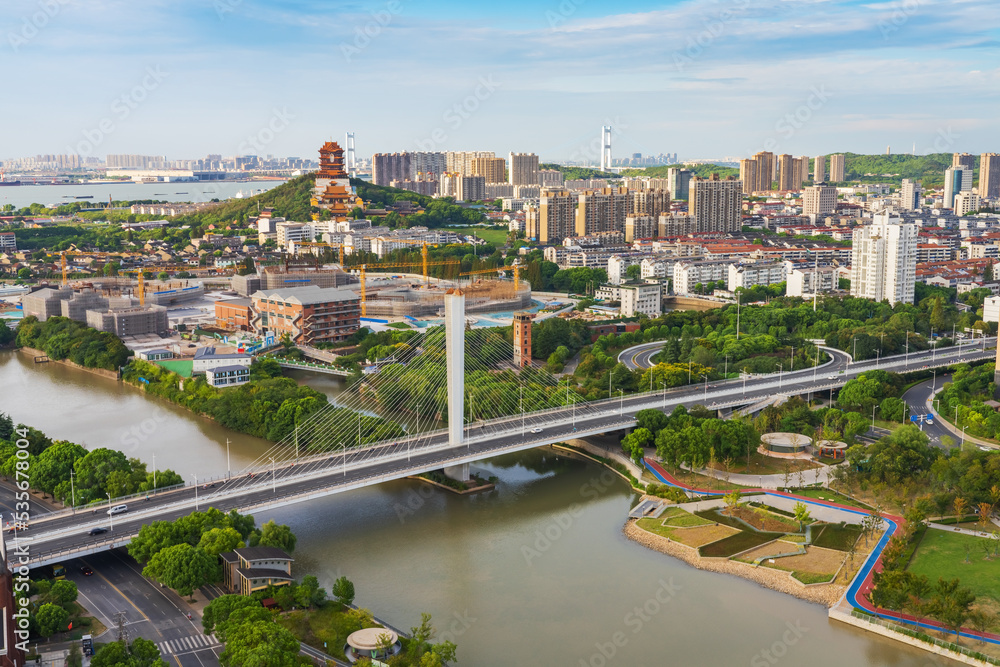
[[195, 492], [274, 487], [228, 466], [72, 491], [874, 408], [963, 435], [110, 515], [154, 473], [621, 406], [780, 369]]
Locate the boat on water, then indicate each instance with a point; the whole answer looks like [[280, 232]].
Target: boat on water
[[86, 197], [239, 195], [4, 181]]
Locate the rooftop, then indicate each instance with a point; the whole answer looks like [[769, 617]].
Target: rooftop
[[260, 553], [308, 295]]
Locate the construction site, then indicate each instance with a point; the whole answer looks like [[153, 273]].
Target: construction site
[[412, 299]]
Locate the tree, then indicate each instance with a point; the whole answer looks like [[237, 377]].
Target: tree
[[275, 535], [141, 653], [220, 540], [51, 618], [950, 604], [221, 608], [240, 617], [24, 273], [183, 568], [343, 590], [801, 514], [308, 593], [961, 506], [732, 501], [75, 657], [153, 538], [261, 644], [62, 593]]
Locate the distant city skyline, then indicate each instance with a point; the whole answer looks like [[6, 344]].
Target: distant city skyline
[[701, 79]]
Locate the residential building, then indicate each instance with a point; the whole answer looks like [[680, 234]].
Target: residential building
[[956, 180], [618, 269], [748, 175], [551, 178], [716, 205], [601, 211], [424, 184], [679, 182], [221, 377], [471, 188], [641, 298], [655, 269], [524, 169], [460, 162], [989, 178], [554, 219], [288, 232], [675, 224], [309, 315], [909, 195], [967, 202], [389, 167], [819, 169], [493, 169], [819, 200], [7, 242], [647, 201], [155, 355], [804, 281], [640, 227], [884, 260], [250, 569], [991, 308], [838, 165], [750, 274], [130, 321], [787, 173], [501, 190], [527, 191], [430, 165], [765, 171], [963, 160], [233, 314], [206, 358], [690, 273]]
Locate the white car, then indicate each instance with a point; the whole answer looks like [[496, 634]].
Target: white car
[[118, 509], [536, 430]]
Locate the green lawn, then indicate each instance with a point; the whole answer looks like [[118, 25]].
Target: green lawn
[[497, 237], [182, 367], [687, 520], [734, 544], [656, 527], [330, 624], [812, 577], [942, 554], [717, 517], [839, 537], [398, 325], [832, 496]]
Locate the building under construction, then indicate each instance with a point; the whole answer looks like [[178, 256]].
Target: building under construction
[[414, 300], [284, 276]]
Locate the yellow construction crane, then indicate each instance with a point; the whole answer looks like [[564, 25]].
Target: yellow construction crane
[[363, 268], [141, 288], [319, 244], [424, 245], [83, 253], [516, 268]]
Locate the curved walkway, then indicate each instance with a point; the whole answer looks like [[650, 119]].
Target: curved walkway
[[862, 583]]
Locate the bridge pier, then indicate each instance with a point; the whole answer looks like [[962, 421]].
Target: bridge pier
[[459, 473], [454, 328]]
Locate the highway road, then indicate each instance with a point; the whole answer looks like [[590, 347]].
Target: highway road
[[57, 536], [153, 613]]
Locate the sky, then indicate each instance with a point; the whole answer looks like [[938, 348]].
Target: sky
[[700, 78]]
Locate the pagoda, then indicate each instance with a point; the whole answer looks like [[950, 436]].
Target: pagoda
[[333, 190]]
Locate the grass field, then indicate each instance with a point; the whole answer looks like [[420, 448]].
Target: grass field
[[838, 537], [734, 544], [684, 519], [766, 465], [692, 537], [325, 626], [832, 496], [942, 554], [497, 237]]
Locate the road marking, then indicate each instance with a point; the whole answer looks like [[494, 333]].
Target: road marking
[[127, 599], [188, 644]]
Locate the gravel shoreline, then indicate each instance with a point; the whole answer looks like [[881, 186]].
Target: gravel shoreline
[[825, 594]]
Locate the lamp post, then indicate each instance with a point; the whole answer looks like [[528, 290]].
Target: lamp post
[[874, 408], [154, 473], [195, 493], [726, 372], [228, 466], [274, 484], [963, 435], [621, 405], [854, 343], [520, 402], [664, 383], [780, 370], [72, 491], [111, 517]]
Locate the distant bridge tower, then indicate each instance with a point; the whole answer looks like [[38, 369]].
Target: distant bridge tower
[[352, 164], [454, 328], [605, 147], [522, 339]]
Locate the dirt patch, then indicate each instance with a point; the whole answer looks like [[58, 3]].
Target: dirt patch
[[763, 521], [815, 559], [778, 580], [702, 535], [769, 550]]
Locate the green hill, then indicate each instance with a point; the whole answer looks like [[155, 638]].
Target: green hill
[[700, 170], [573, 173], [928, 169]]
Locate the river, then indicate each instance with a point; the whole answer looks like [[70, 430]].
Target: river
[[54, 195], [536, 572]]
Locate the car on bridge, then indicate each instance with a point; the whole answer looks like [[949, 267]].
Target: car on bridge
[[536, 430], [100, 530], [117, 509]]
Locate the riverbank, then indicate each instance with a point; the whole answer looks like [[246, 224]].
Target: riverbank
[[32, 352], [825, 594]]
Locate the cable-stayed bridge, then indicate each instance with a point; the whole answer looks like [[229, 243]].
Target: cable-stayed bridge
[[397, 423]]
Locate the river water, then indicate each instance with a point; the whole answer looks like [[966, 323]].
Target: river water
[[196, 192], [536, 572]]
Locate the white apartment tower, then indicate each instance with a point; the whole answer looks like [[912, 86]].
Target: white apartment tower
[[523, 169], [956, 180], [884, 260], [909, 195], [819, 200], [819, 169]]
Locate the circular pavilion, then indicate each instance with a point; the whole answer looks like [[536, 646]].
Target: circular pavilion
[[833, 449], [368, 642], [785, 445]]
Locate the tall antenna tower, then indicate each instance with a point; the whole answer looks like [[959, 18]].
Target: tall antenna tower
[[605, 147], [121, 630], [352, 164]]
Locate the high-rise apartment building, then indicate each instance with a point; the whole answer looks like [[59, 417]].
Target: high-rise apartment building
[[460, 162], [524, 169], [787, 172], [493, 169], [551, 178], [909, 195], [748, 175], [956, 180], [679, 182], [838, 167], [766, 167], [716, 205], [963, 160], [803, 164], [554, 219], [819, 200], [389, 167], [819, 169], [430, 164], [967, 202], [884, 260], [471, 188], [989, 175], [602, 211], [648, 202]]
